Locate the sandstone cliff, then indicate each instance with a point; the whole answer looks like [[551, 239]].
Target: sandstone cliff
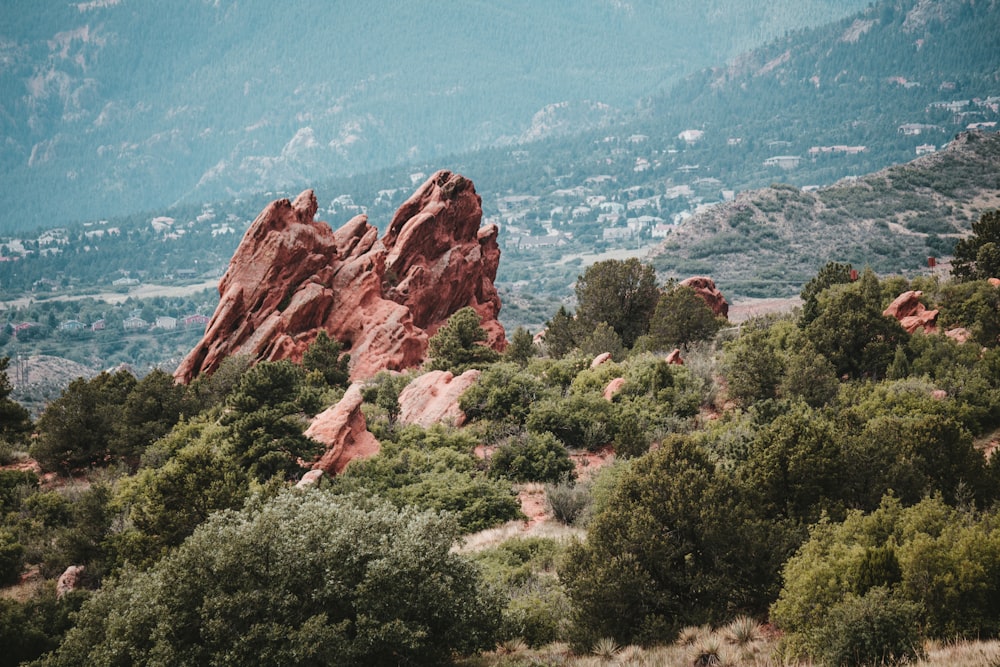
[[292, 277]]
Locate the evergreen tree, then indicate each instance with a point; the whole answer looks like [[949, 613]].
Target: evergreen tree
[[15, 422], [681, 318], [978, 256], [521, 348], [622, 293], [457, 346], [560, 334], [324, 355]]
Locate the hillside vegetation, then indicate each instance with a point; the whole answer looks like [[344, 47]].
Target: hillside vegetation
[[823, 471], [892, 221]]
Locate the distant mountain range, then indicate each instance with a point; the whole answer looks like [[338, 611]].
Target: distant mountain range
[[112, 106]]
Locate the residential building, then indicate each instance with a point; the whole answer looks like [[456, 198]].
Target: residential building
[[133, 323]]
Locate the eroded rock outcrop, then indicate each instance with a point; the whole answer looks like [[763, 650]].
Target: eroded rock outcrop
[[912, 314], [959, 334], [675, 357], [602, 358], [706, 289], [69, 580], [292, 277], [613, 388], [342, 428], [432, 398]]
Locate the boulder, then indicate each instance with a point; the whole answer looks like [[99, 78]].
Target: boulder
[[69, 580], [602, 358], [343, 430], [292, 277], [912, 314], [994, 281], [706, 289], [309, 479], [959, 334], [613, 388], [675, 357], [432, 398]]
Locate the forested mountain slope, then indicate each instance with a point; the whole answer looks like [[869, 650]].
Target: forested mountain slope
[[113, 106]]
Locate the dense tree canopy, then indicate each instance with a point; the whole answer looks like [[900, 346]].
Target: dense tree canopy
[[305, 579], [622, 293], [681, 318], [773, 438], [977, 257], [851, 331], [675, 545], [78, 428]]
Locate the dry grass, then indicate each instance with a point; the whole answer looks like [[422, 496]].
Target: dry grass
[[492, 537], [962, 654], [703, 643]]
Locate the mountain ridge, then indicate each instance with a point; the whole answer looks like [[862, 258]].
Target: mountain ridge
[[891, 220]]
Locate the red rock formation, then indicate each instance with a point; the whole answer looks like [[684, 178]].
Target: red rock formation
[[994, 281], [309, 479], [912, 314], [613, 388], [432, 398], [69, 580], [602, 358], [706, 289], [292, 277], [344, 431], [675, 357], [959, 335]]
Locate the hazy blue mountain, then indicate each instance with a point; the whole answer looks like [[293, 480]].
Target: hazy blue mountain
[[112, 106]]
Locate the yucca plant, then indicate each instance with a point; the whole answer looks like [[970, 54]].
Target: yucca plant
[[690, 634], [631, 656], [709, 652], [743, 631], [513, 645], [605, 648]]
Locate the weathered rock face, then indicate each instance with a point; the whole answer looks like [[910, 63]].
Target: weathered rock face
[[432, 398], [69, 580], [706, 289], [613, 388], [959, 334], [602, 358], [292, 277], [675, 357], [344, 431], [912, 314]]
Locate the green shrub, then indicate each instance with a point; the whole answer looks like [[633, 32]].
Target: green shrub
[[537, 608], [335, 581], [503, 393], [434, 469], [531, 457], [675, 545], [567, 501], [947, 561], [877, 629], [585, 420], [12, 484], [33, 627], [11, 558]]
